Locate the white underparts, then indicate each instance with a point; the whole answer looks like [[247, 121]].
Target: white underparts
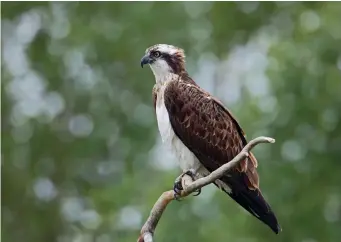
[[185, 157]]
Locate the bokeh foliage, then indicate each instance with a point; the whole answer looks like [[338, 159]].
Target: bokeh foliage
[[81, 155]]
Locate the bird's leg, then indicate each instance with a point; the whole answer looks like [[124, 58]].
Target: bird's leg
[[177, 188]]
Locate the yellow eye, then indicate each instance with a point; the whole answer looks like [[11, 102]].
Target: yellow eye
[[156, 54]]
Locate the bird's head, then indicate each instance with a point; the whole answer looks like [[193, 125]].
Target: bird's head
[[164, 59]]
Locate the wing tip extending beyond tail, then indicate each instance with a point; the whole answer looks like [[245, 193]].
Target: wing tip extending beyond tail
[[271, 220], [277, 229], [258, 207], [254, 202]]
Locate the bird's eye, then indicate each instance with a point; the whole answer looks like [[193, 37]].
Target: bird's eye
[[156, 54]]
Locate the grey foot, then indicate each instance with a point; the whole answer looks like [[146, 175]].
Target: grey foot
[[177, 188]]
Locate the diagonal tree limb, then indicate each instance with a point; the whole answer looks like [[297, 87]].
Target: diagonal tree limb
[[147, 231]]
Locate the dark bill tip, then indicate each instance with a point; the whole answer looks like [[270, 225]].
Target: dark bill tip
[[145, 60]]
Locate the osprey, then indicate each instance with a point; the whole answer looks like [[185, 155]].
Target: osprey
[[202, 133]]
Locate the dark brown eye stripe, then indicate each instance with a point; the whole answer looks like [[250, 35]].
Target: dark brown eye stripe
[[175, 62]]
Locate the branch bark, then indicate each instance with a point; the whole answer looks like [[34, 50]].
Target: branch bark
[[148, 229]]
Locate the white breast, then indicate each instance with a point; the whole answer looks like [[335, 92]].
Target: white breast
[[185, 157]]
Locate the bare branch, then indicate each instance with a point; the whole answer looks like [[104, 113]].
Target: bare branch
[[147, 231]]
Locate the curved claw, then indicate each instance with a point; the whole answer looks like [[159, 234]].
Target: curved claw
[[177, 197], [191, 173], [197, 192], [177, 188]]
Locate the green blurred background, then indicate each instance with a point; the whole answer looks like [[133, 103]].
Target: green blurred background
[[81, 154]]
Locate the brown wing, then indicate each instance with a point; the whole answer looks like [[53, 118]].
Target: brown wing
[[208, 130], [214, 136]]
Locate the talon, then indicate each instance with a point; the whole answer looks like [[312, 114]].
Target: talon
[[177, 197], [190, 173], [177, 188], [197, 192]]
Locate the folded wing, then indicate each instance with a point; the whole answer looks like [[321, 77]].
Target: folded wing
[[210, 131]]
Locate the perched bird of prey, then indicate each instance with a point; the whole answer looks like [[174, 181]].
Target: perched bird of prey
[[202, 133]]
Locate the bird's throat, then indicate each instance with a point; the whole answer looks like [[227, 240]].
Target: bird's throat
[[165, 78]]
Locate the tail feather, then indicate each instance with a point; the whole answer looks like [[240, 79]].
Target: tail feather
[[254, 202]]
